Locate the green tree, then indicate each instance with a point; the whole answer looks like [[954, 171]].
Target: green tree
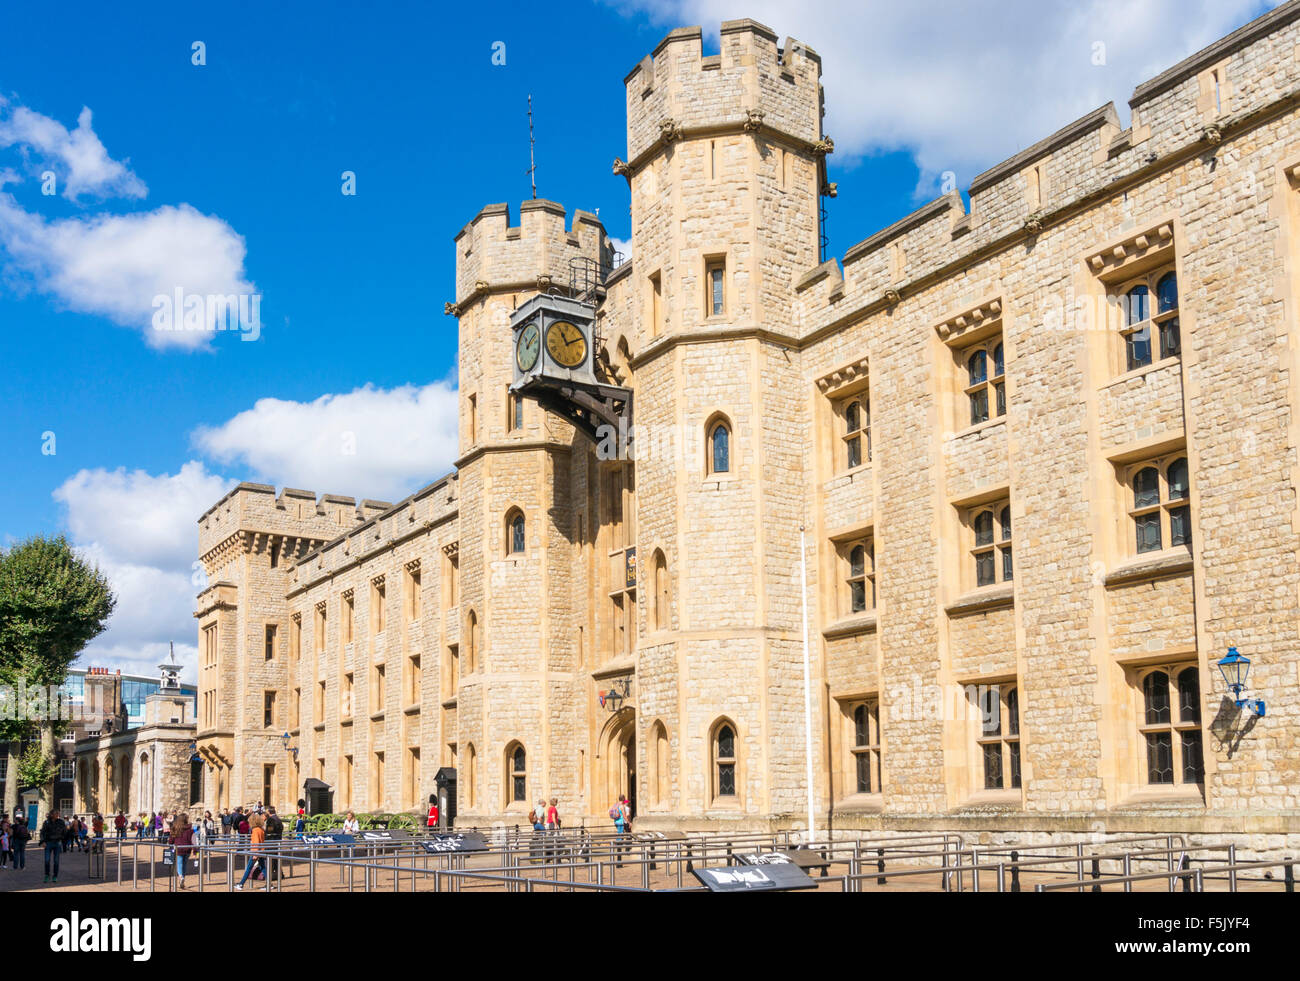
[[52, 603], [35, 767]]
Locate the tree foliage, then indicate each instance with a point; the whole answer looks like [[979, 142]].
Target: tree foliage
[[52, 603], [35, 767]]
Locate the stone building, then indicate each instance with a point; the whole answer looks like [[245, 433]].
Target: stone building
[[1038, 457], [141, 769]]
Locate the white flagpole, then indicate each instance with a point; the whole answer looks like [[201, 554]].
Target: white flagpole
[[807, 685]]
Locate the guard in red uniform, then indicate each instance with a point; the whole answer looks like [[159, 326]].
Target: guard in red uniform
[[433, 815]]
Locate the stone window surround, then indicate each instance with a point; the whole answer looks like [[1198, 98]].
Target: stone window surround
[[850, 796], [963, 333], [711, 475], [973, 793], [1127, 564], [1134, 789], [731, 802], [972, 598]]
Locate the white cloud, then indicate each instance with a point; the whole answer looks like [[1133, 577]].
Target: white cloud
[[623, 245], [962, 87], [82, 162], [141, 530], [138, 517], [118, 266], [370, 442]]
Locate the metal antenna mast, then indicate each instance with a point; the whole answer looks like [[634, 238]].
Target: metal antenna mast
[[532, 162]]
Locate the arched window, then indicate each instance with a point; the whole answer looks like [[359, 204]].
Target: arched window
[[658, 784], [719, 448], [471, 642], [991, 526], [1160, 509], [986, 389], [866, 747], [660, 572], [1137, 313], [1173, 737], [857, 432], [1139, 319], [516, 774], [999, 739], [471, 776], [861, 579], [516, 539], [724, 761]]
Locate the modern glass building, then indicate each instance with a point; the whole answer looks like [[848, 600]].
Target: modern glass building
[[135, 689]]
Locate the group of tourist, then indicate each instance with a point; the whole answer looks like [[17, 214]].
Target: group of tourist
[[56, 836]]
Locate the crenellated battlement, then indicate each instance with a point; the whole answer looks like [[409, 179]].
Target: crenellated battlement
[[383, 525], [1185, 111], [492, 254], [751, 82], [293, 513]]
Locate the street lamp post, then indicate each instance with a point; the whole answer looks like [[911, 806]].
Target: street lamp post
[[1236, 669]]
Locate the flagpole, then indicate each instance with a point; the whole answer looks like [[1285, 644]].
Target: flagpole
[[807, 686]]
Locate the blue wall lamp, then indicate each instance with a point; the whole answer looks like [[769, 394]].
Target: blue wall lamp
[[1236, 669]]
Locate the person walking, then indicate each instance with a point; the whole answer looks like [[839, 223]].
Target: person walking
[[119, 824], [622, 815], [182, 839], [257, 835], [5, 839], [274, 833], [209, 827], [300, 825], [52, 832], [225, 821], [351, 825], [19, 835]]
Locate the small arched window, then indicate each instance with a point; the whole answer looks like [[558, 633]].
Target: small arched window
[[862, 576], [857, 432], [1160, 509], [471, 776], [516, 538], [986, 388], [471, 642], [660, 572], [660, 764], [724, 761], [719, 448], [991, 526], [1173, 738], [866, 747], [517, 773]]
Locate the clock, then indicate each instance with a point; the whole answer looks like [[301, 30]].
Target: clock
[[566, 344], [527, 347]]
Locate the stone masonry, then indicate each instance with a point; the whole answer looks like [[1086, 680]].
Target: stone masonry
[[996, 662]]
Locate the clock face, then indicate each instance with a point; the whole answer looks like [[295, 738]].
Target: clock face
[[565, 344], [528, 347]]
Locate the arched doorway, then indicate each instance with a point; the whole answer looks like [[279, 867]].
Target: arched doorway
[[616, 769]]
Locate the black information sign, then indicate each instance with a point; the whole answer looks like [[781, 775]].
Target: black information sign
[[470, 841], [755, 878], [659, 836], [766, 858]]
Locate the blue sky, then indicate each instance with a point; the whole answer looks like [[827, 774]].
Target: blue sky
[[230, 172]]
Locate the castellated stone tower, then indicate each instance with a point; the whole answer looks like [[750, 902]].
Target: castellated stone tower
[[726, 165], [517, 707], [248, 542]]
